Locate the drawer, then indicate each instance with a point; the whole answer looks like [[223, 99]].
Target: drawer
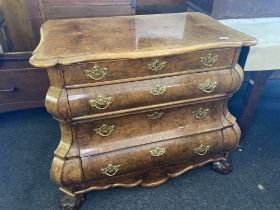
[[191, 149], [22, 88], [95, 72], [120, 132], [108, 98]]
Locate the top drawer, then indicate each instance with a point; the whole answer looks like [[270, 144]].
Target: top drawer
[[102, 71]]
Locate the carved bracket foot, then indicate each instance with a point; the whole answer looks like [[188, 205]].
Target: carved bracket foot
[[71, 203], [222, 166]]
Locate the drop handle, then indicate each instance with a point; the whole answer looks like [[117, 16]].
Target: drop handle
[[12, 89]]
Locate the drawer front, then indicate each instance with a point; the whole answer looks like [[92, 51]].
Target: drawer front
[[99, 99], [190, 149], [22, 86], [126, 69], [121, 132]]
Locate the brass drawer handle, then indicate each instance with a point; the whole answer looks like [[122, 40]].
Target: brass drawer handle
[[209, 59], [158, 151], [158, 90], [111, 169], [100, 102], [96, 72], [208, 86], [200, 113], [202, 149], [156, 65], [105, 130], [155, 115]]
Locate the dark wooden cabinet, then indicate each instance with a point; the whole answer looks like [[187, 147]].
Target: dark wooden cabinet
[[160, 6], [23, 19], [21, 85]]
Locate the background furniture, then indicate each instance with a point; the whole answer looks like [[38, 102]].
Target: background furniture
[[258, 18], [5, 41], [21, 85], [160, 6], [22, 19], [262, 60], [226, 9], [42, 10], [21, 22], [139, 99], [18, 24]]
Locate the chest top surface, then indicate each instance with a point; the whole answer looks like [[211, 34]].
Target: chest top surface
[[129, 37]]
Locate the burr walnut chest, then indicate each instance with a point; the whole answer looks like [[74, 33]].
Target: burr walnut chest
[[139, 99]]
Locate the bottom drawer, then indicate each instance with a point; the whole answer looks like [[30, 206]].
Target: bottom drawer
[[194, 149]]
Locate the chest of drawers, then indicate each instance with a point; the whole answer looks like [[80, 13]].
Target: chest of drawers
[[139, 99]]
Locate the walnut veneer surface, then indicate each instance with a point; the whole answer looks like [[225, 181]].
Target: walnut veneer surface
[[139, 99]]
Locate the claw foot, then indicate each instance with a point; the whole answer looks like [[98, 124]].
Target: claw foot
[[222, 166], [71, 203]]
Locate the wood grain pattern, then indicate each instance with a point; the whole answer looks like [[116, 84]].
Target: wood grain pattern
[[137, 94], [175, 122], [145, 36], [136, 68], [149, 173], [139, 136], [176, 150]]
